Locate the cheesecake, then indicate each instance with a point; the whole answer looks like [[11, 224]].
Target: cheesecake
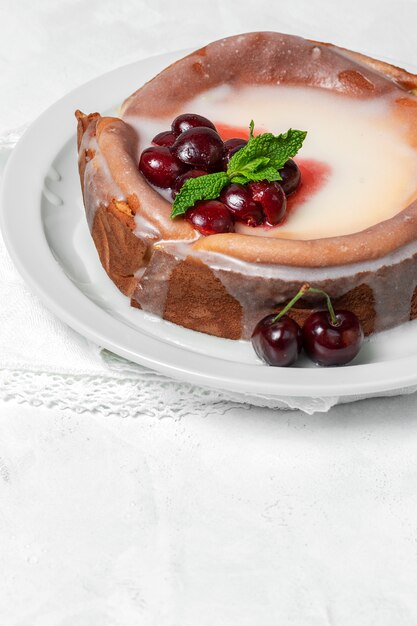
[[350, 228]]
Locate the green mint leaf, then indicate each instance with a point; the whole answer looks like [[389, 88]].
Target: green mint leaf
[[260, 159], [277, 148], [268, 173], [287, 146], [195, 189], [253, 166], [241, 179]]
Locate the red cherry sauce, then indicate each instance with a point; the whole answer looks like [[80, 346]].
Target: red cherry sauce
[[313, 176], [226, 131], [229, 132], [313, 173]]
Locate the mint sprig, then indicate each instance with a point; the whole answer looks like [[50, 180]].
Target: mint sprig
[[195, 189], [261, 159], [276, 148]]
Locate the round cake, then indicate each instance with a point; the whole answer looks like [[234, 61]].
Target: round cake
[[350, 229]]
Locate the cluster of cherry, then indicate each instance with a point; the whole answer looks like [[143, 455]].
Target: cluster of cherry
[[193, 148]]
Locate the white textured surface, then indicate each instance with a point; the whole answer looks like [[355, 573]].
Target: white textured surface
[[49, 47], [246, 518]]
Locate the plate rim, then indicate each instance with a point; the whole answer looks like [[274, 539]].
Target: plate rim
[[47, 275]]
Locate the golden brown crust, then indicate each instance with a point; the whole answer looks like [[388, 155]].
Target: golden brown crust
[[263, 58], [83, 122], [401, 77], [370, 244], [413, 309], [197, 299], [121, 252]]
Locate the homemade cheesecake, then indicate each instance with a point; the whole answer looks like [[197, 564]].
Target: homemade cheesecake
[[350, 228]]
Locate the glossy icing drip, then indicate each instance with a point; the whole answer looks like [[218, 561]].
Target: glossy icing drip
[[260, 288], [392, 288], [144, 228], [152, 289], [393, 293], [99, 186]]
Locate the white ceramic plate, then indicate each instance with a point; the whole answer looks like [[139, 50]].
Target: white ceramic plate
[[46, 234]]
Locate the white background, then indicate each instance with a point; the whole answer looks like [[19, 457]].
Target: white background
[[251, 518]]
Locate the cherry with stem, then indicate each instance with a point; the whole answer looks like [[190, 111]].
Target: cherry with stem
[[329, 337]]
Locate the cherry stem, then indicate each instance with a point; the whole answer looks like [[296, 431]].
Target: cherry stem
[[333, 318], [307, 289], [291, 303]]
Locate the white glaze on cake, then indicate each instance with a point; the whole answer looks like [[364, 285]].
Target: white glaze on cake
[[373, 170], [99, 186], [391, 301], [372, 178]]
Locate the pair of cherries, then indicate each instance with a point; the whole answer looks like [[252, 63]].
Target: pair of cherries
[[193, 148], [328, 337]]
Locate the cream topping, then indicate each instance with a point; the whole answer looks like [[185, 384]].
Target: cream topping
[[373, 169]]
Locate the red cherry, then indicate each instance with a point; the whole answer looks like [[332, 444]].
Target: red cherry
[[160, 167], [200, 147], [166, 138], [330, 344], [184, 177], [231, 146], [186, 121], [291, 177], [277, 342], [235, 142], [239, 200], [210, 217], [272, 199]]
